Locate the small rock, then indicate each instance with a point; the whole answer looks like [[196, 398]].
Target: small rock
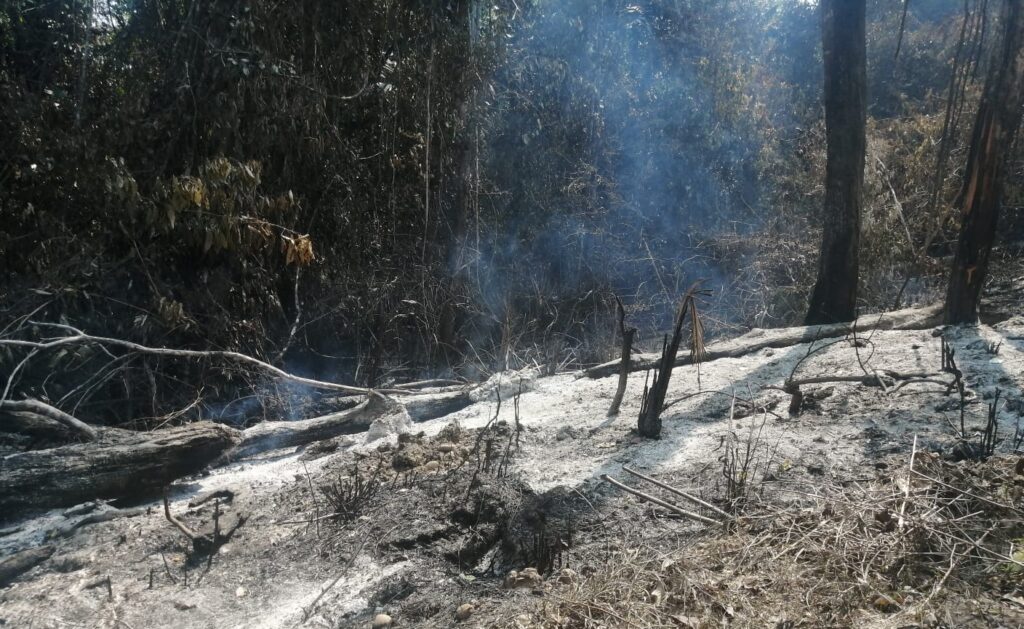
[[823, 393], [464, 612], [409, 456], [445, 448], [240, 592], [430, 467], [566, 432], [395, 424], [528, 578], [409, 437], [885, 604], [381, 621], [451, 433]]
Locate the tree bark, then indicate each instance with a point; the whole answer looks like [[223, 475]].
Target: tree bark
[[132, 466], [627, 335], [756, 340], [999, 115], [35, 416], [834, 297], [284, 434], [649, 423], [17, 564], [457, 15]]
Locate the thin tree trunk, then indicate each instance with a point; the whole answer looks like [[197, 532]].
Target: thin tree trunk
[[834, 298], [627, 335], [653, 401], [999, 115], [457, 16]]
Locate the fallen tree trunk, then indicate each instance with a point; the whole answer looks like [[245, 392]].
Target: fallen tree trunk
[[19, 563], [284, 434], [756, 340], [428, 406], [124, 464], [133, 465]]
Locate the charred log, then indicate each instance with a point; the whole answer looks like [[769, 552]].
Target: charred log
[[133, 465]]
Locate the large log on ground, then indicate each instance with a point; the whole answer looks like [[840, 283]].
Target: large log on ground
[[132, 465], [15, 565], [756, 340], [428, 406], [285, 434]]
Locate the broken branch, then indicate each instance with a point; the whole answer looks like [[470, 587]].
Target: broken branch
[[658, 501]]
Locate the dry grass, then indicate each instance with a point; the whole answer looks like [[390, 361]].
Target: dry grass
[[933, 544]]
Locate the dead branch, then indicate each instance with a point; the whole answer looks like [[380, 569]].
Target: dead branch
[[756, 340], [77, 426], [678, 492], [658, 501], [200, 543], [78, 337], [430, 384], [283, 434], [870, 380], [102, 515], [876, 379], [627, 335]]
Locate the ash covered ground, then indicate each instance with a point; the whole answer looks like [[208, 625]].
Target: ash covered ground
[[496, 515]]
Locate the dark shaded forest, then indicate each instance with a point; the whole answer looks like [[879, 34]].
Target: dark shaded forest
[[378, 191]]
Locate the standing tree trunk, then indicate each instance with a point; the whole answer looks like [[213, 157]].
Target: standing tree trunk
[[457, 16], [843, 45], [627, 335], [653, 400], [999, 115]]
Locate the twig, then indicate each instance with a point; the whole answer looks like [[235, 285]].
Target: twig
[[906, 490], [298, 317], [678, 492], [199, 542], [344, 570], [660, 502]]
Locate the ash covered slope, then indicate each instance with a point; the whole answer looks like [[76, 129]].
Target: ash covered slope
[[461, 505]]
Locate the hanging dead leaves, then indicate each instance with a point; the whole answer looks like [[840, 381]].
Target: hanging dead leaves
[[298, 249], [223, 210]]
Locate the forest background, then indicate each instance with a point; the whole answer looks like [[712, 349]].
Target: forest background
[[380, 190]]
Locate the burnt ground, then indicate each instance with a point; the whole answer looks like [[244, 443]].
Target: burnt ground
[[855, 512]]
